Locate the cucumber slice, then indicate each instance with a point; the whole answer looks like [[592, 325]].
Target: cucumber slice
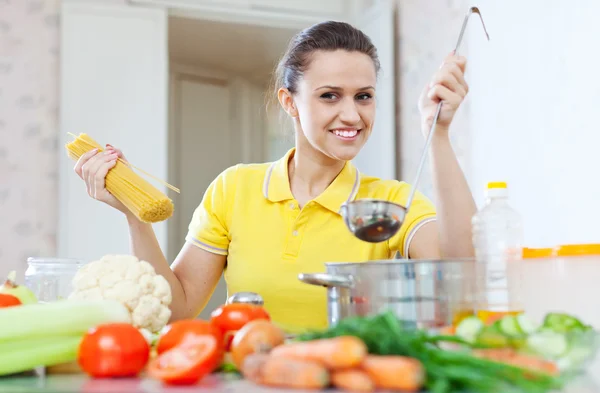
[[548, 344], [469, 328], [574, 359], [493, 339], [526, 325], [510, 326], [562, 323]]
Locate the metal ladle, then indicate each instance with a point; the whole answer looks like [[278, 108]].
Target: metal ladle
[[375, 221]]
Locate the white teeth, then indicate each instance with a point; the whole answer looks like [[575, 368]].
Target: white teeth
[[346, 134]]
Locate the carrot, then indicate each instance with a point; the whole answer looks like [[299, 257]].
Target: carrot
[[334, 353], [395, 372], [264, 369], [252, 366], [512, 357], [448, 330], [352, 380]]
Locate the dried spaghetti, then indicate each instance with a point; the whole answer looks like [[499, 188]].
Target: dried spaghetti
[[145, 201]]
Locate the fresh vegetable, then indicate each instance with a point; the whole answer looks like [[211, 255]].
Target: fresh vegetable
[[492, 336], [134, 283], [10, 287], [395, 372], [175, 333], [548, 344], [151, 338], [25, 354], [60, 318], [334, 353], [228, 339], [469, 328], [113, 350], [7, 300], [512, 357], [284, 372], [233, 316], [352, 380], [563, 323], [228, 367], [562, 338], [257, 336], [188, 362], [445, 370]]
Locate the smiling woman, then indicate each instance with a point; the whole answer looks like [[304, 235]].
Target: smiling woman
[[263, 224]]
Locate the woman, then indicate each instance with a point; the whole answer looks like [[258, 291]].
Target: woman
[[262, 224]]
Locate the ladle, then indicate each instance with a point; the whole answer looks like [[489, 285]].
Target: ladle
[[375, 221]]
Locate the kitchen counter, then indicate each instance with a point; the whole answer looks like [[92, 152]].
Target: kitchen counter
[[79, 383]]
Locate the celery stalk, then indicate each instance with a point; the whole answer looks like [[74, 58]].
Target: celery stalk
[[63, 317], [24, 355]]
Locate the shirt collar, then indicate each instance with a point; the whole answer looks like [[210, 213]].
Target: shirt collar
[[276, 186]]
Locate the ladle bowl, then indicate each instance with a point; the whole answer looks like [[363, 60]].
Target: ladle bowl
[[373, 220]]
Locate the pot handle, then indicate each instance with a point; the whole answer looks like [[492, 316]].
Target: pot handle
[[327, 280]]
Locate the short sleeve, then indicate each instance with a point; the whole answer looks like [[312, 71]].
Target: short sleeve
[[208, 228], [420, 213]]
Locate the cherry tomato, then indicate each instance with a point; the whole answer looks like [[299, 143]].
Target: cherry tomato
[[188, 362], [175, 333], [113, 350], [7, 300], [233, 316]]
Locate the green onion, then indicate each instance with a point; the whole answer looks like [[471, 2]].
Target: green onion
[[446, 371]]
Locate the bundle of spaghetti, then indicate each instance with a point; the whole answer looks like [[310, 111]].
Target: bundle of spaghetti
[[145, 201]]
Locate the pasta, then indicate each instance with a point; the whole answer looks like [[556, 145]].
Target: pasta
[[145, 201]]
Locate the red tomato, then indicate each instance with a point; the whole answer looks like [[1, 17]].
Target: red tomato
[[7, 300], [229, 339], [113, 350], [188, 362], [234, 316], [177, 331]]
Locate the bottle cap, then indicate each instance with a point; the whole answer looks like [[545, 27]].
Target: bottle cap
[[497, 184]]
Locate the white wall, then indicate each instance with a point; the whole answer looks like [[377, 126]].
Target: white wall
[[29, 48], [426, 32], [534, 114]]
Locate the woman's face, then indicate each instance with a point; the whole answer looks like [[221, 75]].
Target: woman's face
[[335, 104]]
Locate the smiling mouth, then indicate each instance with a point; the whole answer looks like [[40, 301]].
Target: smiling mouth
[[346, 134]]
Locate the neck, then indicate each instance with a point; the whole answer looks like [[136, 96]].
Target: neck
[[311, 173]]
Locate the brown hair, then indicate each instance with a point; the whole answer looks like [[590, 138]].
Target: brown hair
[[324, 36]]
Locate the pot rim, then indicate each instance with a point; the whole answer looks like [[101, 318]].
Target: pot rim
[[388, 262]]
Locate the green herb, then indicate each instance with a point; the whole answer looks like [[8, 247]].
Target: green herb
[[447, 371], [227, 367]]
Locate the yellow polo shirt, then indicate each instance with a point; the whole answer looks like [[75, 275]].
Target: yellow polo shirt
[[249, 214]]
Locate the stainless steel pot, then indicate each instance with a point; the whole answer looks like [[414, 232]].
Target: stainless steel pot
[[427, 293]]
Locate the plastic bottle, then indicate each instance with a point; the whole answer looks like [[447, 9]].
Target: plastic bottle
[[498, 242]]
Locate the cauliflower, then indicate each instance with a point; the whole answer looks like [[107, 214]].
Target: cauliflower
[[130, 281]]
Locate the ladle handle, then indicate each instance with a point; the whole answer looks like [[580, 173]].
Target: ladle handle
[[327, 280], [439, 108], [423, 156]]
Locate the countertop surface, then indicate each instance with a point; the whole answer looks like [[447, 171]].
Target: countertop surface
[[79, 383]]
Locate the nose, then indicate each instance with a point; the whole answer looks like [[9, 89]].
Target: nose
[[349, 112]]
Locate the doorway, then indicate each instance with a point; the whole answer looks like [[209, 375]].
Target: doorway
[[219, 78]]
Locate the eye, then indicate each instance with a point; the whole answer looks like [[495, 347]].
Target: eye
[[328, 96], [364, 96]]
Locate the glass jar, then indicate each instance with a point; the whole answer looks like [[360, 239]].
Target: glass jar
[[50, 278]]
